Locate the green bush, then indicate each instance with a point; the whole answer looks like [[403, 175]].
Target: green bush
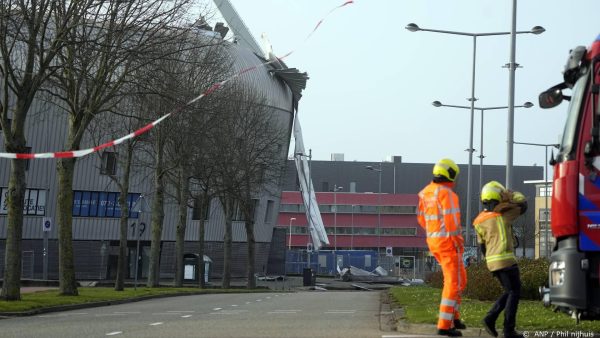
[[482, 285]]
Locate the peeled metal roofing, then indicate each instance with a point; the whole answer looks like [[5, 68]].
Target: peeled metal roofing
[[294, 79]]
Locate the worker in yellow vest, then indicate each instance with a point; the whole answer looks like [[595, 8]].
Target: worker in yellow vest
[[494, 234]]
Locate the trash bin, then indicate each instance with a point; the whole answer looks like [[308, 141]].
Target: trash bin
[[307, 277]]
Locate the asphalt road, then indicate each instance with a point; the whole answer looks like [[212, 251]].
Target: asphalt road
[[300, 314]]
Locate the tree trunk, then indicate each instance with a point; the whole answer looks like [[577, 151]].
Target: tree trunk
[[11, 287], [227, 238], [204, 203], [64, 221], [182, 189], [122, 260], [158, 214], [251, 253]]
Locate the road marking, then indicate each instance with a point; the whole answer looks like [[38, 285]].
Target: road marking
[[114, 333], [165, 314], [182, 311], [76, 314], [126, 312], [259, 300], [248, 302], [268, 297], [284, 311], [157, 323], [48, 316], [186, 316], [217, 309], [228, 312], [108, 314], [234, 305], [340, 311]]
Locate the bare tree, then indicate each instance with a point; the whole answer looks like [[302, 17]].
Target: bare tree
[[248, 153], [118, 38], [31, 35]]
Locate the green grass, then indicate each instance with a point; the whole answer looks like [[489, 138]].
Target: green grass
[[421, 305], [44, 299]]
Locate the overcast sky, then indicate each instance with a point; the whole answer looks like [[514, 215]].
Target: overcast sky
[[372, 81]]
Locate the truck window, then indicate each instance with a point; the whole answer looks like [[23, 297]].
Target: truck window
[[569, 138]]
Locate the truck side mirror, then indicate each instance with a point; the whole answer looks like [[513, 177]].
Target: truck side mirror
[[552, 97]]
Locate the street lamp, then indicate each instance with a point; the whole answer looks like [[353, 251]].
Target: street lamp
[[378, 205], [414, 28], [481, 156], [545, 183], [290, 243], [335, 189]]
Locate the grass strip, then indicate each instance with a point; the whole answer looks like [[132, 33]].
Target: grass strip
[[421, 306], [51, 298]]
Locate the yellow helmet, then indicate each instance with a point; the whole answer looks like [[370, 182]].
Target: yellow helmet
[[518, 197], [492, 191], [446, 168]]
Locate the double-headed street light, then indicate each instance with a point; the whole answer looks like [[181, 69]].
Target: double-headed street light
[[481, 156], [414, 28], [380, 170]]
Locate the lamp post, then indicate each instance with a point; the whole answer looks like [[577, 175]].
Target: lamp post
[[481, 156], [545, 184], [290, 242], [369, 167], [335, 189], [352, 228], [414, 28]]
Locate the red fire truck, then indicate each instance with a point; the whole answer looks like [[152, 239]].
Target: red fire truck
[[573, 280]]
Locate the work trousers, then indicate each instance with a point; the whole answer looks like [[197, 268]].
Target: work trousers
[[509, 301], [455, 280]]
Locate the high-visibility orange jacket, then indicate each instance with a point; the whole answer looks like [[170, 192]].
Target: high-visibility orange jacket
[[439, 215]]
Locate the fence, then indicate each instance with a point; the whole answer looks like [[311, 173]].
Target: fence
[[326, 262]]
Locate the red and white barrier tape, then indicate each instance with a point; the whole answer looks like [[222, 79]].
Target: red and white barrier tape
[[146, 128]]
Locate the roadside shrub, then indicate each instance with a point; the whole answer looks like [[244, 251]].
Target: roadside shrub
[[482, 285]]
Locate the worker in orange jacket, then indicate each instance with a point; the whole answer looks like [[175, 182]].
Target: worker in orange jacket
[[439, 215]]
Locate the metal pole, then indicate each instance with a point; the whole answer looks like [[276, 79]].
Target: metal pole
[[334, 218], [352, 234], [379, 213], [472, 99], [511, 99], [137, 252], [309, 199], [481, 162], [546, 201], [290, 242], [45, 258]]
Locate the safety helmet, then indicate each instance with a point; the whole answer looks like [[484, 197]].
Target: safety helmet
[[518, 197], [446, 168], [492, 191]]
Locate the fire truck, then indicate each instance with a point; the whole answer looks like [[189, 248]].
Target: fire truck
[[573, 283]]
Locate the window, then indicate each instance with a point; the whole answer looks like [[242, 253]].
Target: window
[[109, 163], [269, 212], [197, 209], [324, 186], [100, 204], [34, 202], [544, 191], [352, 186]]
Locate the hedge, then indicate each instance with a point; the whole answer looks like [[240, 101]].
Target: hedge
[[482, 285]]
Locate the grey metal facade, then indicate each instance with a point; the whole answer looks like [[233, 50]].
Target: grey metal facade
[[46, 131]]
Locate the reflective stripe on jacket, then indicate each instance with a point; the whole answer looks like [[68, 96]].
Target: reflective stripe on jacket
[[439, 214], [495, 231]]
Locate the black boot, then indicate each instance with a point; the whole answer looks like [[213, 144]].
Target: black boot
[[513, 334], [490, 326], [459, 324], [452, 332]]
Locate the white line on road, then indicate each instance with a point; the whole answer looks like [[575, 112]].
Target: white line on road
[[165, 314], [234, 305], [108, 314], [259, 300], [182, 311], [157, 323], [186, 316], [248, 302], [340, 311], [127, 312], [217, 309], [114, 333]]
